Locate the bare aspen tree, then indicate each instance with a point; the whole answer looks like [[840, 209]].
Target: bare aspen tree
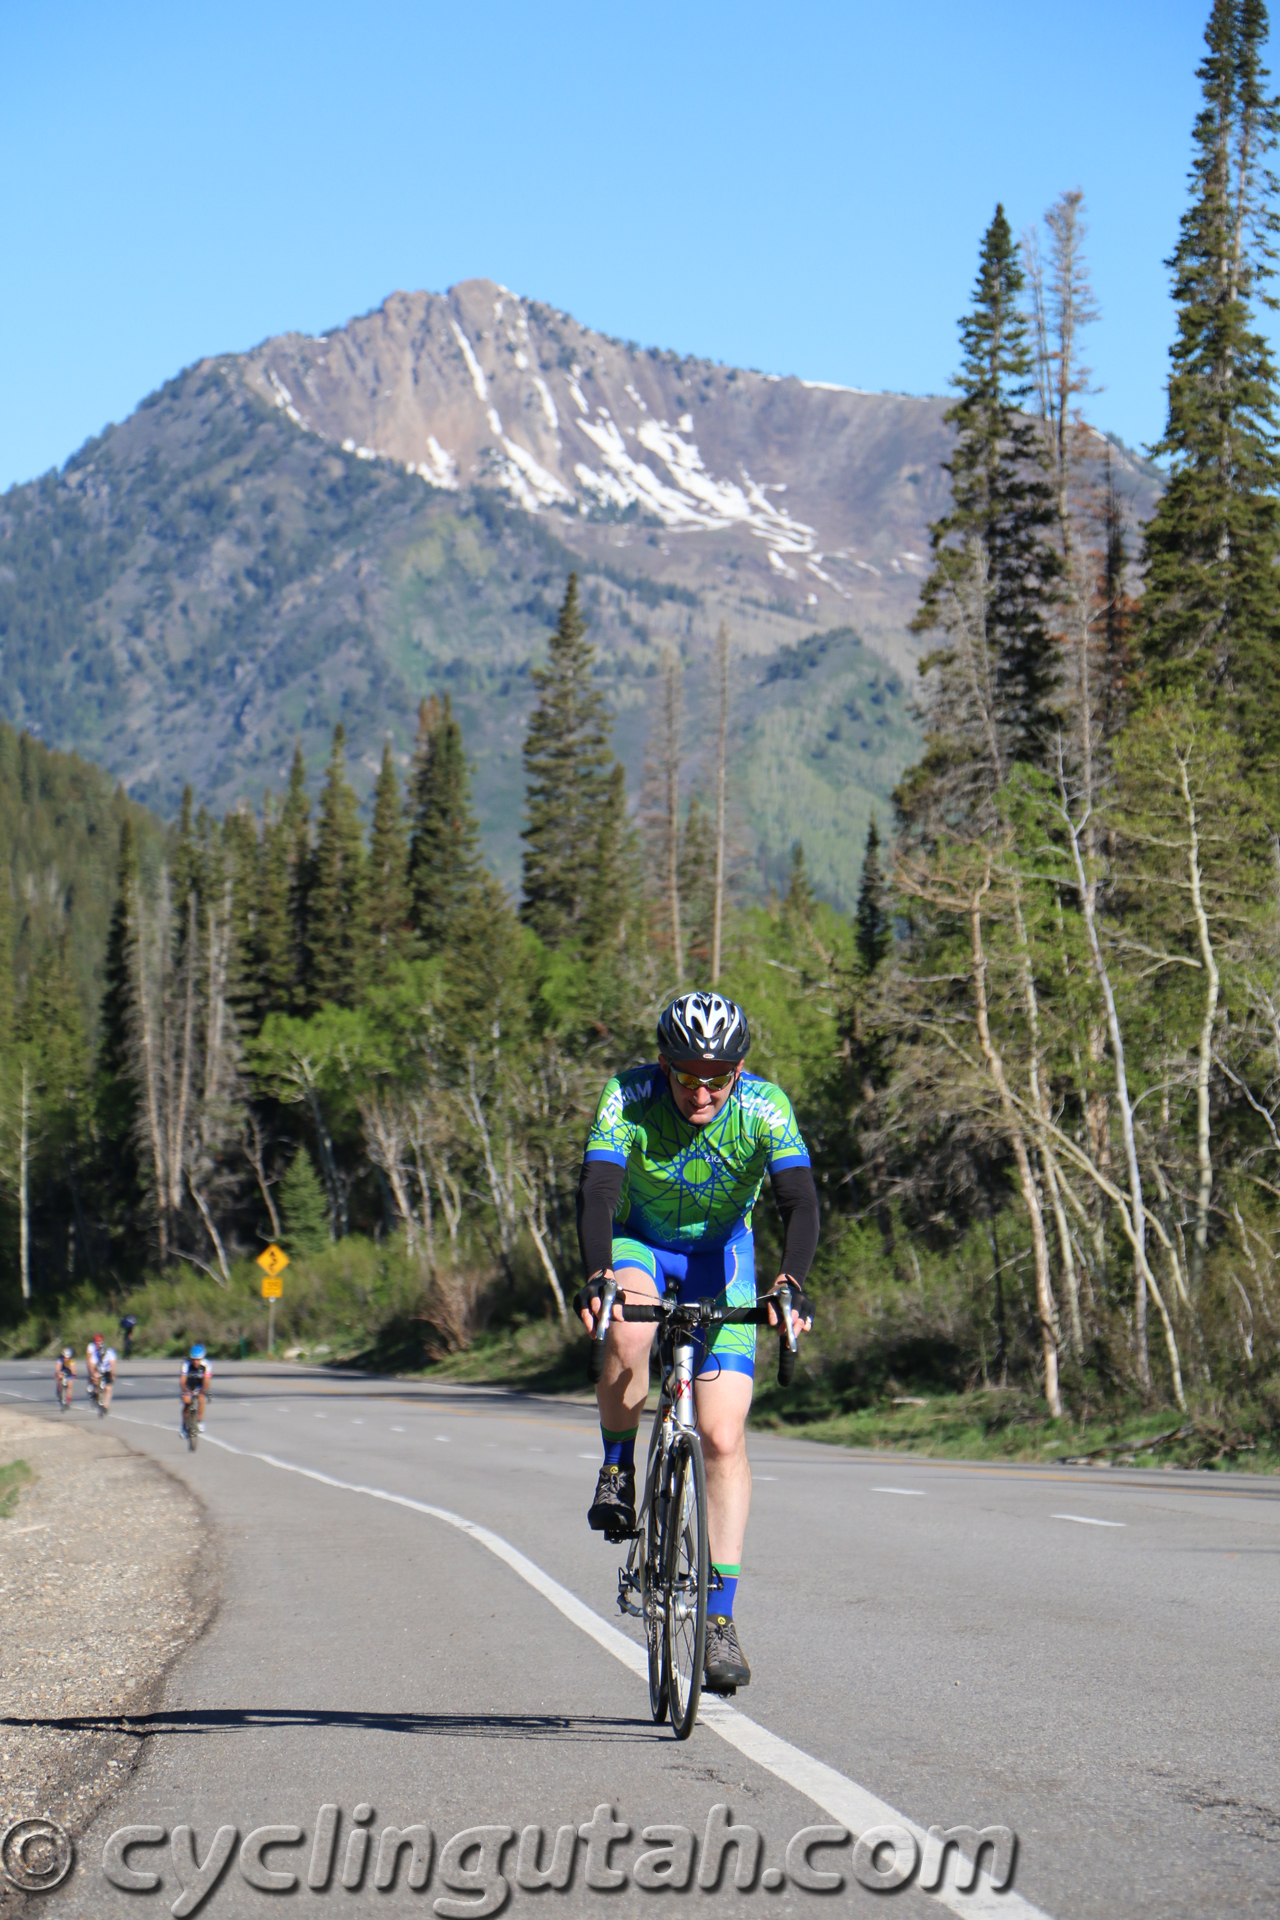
[[1087, 895], [722, 757], [671, 785], [1198, 853], [24, 1179], [969, 893], [661, 806]]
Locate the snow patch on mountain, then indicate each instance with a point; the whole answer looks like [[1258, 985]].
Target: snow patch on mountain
[[548, 404], [474, 368]]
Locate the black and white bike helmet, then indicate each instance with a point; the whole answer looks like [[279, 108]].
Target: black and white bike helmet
[[704, 1026]]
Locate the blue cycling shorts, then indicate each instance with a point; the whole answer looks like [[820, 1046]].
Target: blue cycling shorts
[[725, 1274]]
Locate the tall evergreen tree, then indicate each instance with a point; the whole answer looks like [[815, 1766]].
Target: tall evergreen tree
[[337, 921], [115, 1100], [295, 821], [1210, 617], [991, 589], [114, 1045], [445, 871], [388, 870], [698, 883], [873, 931], [275, 966], [185, 875], [615, 884], [567, 769], [797, 908], [240, 862]]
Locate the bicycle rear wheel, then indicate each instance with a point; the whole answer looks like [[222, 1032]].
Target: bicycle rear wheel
[[685, 1584]]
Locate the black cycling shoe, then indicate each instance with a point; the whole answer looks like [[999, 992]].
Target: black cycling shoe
[[613, 1511], [726, 1668]]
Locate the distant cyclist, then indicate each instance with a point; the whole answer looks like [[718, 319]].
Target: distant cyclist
[[106, 1378], [92, 1356], [673, 1166], [197, 1379], [64, 1373]]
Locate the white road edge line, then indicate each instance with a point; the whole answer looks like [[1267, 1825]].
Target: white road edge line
[[853, 1806], [912, 1493], [1084, 1520]]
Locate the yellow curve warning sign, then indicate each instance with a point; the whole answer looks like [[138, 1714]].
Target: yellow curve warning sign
[[273, 1260]]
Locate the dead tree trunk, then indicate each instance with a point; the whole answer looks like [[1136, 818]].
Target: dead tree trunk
[[722, 756]]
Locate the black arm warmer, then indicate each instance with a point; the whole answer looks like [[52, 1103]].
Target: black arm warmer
[[797, 1199], [599, 1185]]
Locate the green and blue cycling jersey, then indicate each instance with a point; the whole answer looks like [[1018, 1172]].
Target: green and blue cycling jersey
[[684, 1213]]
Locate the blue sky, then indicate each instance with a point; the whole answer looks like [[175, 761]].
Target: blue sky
[[798, 189]]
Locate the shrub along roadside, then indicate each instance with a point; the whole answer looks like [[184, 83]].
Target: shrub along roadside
[[887, 1367]]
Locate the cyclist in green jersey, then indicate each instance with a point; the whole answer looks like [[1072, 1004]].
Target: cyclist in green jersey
[[673, 1165]]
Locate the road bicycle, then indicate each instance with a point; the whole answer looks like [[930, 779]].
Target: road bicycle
[[191, 1422], [665, 1580], [64, 1385]]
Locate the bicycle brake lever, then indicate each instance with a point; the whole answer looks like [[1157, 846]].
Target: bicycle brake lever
[[787, 1338], [595, 1363]]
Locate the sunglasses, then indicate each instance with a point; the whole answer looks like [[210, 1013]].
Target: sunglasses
[[716, 1084]]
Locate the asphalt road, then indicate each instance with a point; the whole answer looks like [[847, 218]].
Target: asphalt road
[[417, 1628]]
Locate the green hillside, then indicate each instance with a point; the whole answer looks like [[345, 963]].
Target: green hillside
[[206, 583]]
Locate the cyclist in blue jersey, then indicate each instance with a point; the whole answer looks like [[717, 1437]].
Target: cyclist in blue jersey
[[673, 1166]]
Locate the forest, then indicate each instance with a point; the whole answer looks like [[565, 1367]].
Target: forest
[[1038, 1067]]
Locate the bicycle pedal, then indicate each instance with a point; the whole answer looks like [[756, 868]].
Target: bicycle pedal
[[616, 1539], [722, 1693]]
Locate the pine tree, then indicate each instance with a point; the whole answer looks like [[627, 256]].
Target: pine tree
[[303, 1207], [873, 931], [275, 959], [992, 586], [445, 873], [388, 871], [612, 901], [337, 923], [567, 769], [117, 994], [295, 820], [798, 906], [698, 882], [116, 1099], [240, 861], [1210, 618], [185, 864]]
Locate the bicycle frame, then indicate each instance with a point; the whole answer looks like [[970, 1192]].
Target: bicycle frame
[[674, 1414]]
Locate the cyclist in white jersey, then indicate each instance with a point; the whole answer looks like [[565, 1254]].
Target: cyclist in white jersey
[[106, 1376], [92, 1356], [196, 1381]]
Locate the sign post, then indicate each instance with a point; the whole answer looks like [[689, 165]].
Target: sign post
[[273, 1260]]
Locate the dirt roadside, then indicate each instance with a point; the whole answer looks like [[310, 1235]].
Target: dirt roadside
[[107, 1572]]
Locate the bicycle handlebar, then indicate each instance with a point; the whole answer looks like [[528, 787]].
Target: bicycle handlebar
[[698, 1313]]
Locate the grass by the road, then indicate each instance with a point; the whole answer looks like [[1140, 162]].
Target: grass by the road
[[13, 1478], [1008, 1425], [991, 1424]]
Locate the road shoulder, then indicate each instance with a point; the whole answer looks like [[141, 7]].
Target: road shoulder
[[107, 1572]]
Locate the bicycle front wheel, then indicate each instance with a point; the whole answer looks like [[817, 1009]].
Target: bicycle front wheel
[[651, 1592], [685, 1584]]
